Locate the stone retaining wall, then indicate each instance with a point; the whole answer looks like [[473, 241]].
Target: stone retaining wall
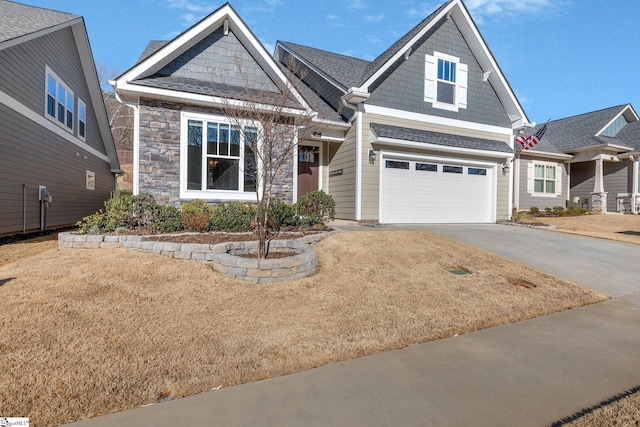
[[221, 256]]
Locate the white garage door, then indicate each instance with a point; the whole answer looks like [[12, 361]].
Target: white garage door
[[422, 191]]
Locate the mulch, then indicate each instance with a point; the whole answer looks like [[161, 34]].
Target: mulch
[[220, 237]]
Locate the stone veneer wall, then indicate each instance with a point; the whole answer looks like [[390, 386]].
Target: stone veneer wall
[[160, 153]]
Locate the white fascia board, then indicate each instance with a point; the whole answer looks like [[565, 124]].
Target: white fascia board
[[437, 120], [488, 63], [332, 123], [95, 92], [318, 71], [442, 148], [605, 147], [628, 107], [44, 122], [25, 38], [131, 90], [400, 53], [545, 155]]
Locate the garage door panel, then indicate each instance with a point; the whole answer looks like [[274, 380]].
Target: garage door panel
[[427, 196]]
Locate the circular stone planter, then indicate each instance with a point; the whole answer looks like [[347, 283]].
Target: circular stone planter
[[302, 264]]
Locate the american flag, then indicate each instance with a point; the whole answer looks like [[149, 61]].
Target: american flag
[[528, 142]]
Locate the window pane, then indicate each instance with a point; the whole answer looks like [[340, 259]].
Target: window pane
[[62, 94], [69, 101], [551, 172], [453, 72], [51, 85], [392, 164], [250, 136], [477, 171], [249, 169], [61, 111], [81, 129], [426, 167], [440, 69], [451, 169], [538, 186], [539, 171], [446, 93], [222, 174], [550, 187], [51, 106], [235, 141], [212, 138], [69, 119], [224, 140], [447, 68], [194, 159]]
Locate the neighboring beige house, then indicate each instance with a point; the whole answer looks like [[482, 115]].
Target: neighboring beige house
[[421, 134]]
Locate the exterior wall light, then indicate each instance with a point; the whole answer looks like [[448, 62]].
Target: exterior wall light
[[372, 156], [505, 167]]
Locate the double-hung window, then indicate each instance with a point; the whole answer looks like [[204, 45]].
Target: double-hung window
[[544, 180], [445, 82], [59, 101], [82, 120], [219, 161]]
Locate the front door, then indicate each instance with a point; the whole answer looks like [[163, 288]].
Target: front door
[[308, 169]]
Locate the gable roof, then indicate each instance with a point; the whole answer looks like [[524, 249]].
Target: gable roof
[[142, 77], [20, 19], [20, 23], [361, 75], [583, 130]]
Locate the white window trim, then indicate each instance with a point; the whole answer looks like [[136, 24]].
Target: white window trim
[[54, 118], [431, 82], [531, 179], [81, 103], [223, 195], [90, 181]]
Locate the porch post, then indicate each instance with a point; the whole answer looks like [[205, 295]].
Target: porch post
[[634, 185], [599, 197]]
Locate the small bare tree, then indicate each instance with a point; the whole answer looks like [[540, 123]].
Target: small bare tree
[[271, 122], [120, 116]]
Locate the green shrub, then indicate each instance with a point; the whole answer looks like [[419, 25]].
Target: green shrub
[[168, 220], [92, 224], [196, 215], [547, 211], [233, 216], [315, 208], [123, 210], [534, 210], [558, 211], [282, 215]]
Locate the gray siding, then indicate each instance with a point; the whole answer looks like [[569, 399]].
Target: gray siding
[[31, 155], [402, 87], [22, 68], [219, 58], [528, 200], [582, 180], [617, 179]]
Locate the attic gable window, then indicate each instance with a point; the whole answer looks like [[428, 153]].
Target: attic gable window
[[445, 82], [59, 102]]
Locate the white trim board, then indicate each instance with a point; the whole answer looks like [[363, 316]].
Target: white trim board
[[436, 120], [41, 120], [443, 148]]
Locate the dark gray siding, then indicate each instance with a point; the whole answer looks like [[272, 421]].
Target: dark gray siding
[[402, 87], [528, 200], [220, 58], [32, 155], [582, 180], [617, 179], [22, 68]]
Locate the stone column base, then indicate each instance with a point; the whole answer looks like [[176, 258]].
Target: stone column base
[[599, 202]]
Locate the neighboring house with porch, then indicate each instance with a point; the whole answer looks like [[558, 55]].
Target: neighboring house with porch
[[57, 157], [423, 133], [589, 160]]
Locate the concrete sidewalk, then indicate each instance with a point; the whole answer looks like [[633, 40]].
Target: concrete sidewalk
[[530, 373]]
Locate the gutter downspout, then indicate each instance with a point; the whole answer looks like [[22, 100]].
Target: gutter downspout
[[136, 140], [634, 184]]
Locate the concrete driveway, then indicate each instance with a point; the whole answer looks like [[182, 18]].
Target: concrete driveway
[[530, 373]]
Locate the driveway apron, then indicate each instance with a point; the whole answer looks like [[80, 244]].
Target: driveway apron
[[530, 373]]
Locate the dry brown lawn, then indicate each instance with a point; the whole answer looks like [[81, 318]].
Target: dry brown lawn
[[622, 413], [623, 228], [87, 332]]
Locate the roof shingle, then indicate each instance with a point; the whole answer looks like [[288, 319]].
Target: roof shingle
[[17, 19]]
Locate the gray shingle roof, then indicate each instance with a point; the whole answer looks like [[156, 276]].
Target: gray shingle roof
[[415, 135], [630, 135], [346, 70], [152, 47], [317, 104], [577, 131], [17, 19], [209, 88]]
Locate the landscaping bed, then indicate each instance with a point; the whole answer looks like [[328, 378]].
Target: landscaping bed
[[88, 332]]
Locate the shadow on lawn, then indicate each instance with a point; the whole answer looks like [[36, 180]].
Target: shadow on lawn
[[5, 281], [630, 233]]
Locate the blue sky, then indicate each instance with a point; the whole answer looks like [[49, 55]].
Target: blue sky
[[561, 57]]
